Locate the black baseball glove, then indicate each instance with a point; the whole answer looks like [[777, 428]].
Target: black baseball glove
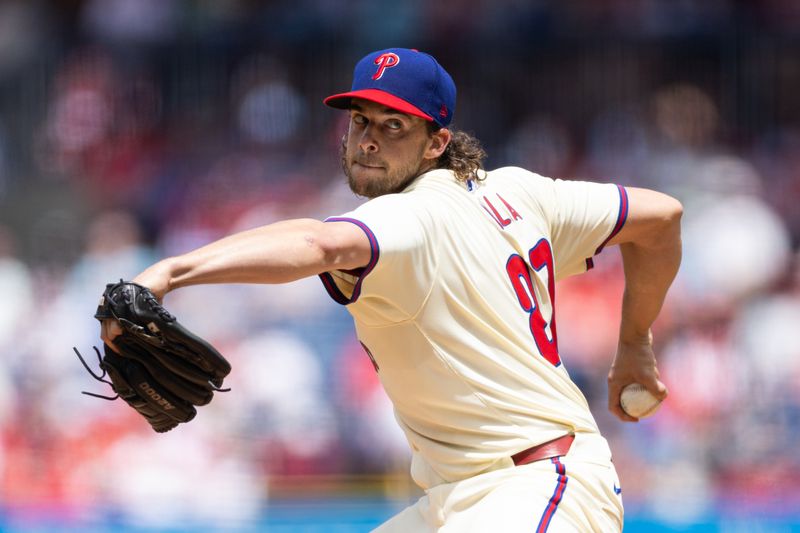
[[162, 369]]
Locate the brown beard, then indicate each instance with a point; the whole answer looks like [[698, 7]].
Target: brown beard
[[375, 188]]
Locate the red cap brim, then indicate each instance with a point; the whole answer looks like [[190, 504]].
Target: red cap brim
[[342, 101]]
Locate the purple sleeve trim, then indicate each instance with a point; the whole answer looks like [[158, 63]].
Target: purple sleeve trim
[[622, 216], [327, 279]]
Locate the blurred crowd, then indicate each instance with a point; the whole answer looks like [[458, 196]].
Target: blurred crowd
[[135, 129]]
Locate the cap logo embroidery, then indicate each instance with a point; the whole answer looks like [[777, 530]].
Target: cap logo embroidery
[[443, 111], [385, 61]]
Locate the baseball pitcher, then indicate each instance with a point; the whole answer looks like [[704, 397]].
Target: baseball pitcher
[[450, 272]]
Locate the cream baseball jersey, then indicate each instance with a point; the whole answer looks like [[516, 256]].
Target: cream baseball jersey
[[456, 310]]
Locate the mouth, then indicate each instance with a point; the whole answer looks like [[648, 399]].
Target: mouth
[[367, 165]]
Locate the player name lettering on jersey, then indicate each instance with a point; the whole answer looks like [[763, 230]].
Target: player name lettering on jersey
[[503, 221]]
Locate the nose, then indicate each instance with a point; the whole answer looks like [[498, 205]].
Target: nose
[[367, 142]]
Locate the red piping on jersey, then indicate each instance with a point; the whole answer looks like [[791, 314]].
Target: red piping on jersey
[[622, 216], [555, 499], [327, 280]]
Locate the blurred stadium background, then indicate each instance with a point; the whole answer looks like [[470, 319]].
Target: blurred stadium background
[[134, 129]]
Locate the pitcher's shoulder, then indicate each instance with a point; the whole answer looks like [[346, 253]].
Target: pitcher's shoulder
[[518, 173]]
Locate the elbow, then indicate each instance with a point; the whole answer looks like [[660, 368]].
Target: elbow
[[669, 223], [654, 220], [675, 210]]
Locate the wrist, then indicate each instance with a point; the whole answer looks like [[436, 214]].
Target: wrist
[[635, 336], [159, 278]]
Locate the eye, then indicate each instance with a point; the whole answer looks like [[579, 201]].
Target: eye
[[394, 124], [358, 119]]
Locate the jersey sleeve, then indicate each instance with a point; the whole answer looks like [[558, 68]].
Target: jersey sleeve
[[584, 217], [403, 258]]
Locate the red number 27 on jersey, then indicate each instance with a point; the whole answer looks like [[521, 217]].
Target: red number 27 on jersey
[[540, 256]]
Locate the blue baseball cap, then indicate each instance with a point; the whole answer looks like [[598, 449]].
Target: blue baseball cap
[[403, 79]]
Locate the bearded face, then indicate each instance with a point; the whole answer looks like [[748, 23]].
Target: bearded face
[[384, 150]]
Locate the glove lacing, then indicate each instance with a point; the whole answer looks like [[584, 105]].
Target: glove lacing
[[101, 377]]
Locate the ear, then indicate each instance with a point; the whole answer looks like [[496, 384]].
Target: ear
[[438, 143]]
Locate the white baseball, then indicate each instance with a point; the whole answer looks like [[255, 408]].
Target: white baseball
[[637, 401]]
